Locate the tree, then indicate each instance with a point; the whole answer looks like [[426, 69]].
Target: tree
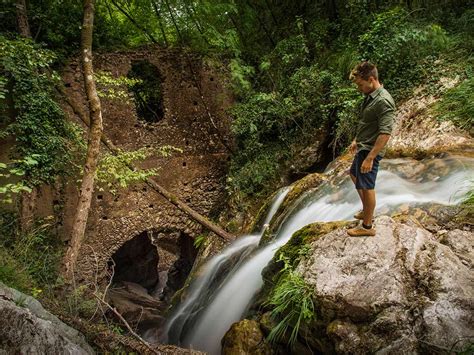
[[93, 145], [22, 19]]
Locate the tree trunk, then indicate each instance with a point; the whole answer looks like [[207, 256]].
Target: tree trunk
[[93, 146], [22, 19], [162, 28], [170, 197]]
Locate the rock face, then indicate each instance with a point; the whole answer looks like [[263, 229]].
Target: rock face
[[135, 304], [416, 128], [27, 328], [402, 291]]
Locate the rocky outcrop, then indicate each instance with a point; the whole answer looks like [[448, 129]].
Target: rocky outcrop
[[417, 127], [27, 328], [407, 290]]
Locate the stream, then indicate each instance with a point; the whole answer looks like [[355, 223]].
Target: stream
[[225, 287]]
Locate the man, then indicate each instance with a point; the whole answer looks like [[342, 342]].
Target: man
[[373, 132]]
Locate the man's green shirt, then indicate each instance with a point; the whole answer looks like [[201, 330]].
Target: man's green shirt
[[377, 114]]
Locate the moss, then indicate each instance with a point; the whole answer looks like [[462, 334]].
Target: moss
[[297, 190], [301, 186], [259, 217], [294, 249]]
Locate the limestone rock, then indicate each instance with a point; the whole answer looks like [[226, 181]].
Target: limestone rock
[[399, 292], [245, 337], [134, 303], [27, 328]]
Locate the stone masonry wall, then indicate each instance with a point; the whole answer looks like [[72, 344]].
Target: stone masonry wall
[[196, 175]]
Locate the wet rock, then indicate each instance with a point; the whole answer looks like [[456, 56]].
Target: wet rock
[[313, 156], [245, 337], [27, 328], [393, 293], [134, 303]]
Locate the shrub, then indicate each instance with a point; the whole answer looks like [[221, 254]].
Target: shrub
[[31, 258], [40, 127], [398, 46]]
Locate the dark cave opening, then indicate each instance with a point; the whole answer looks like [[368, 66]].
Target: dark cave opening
[[147, 91], [148, 271], [137, 261]]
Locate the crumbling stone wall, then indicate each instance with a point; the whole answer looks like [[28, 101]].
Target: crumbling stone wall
[[195, 98]]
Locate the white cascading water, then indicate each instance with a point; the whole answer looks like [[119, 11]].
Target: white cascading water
[[199, 287], [209, 319]]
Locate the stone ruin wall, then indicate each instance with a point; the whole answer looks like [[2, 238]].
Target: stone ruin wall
[[197, 175]]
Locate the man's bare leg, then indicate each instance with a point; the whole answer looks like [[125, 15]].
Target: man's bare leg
[[358, 191], [369, 206]]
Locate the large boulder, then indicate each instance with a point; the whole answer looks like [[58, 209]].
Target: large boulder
[[402, 291], [245, 337], [27, 328]]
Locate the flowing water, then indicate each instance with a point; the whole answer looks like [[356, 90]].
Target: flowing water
[[209, 310], [200, 288]]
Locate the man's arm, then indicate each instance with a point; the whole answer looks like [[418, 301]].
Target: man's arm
[[381, 141], [353, 147]]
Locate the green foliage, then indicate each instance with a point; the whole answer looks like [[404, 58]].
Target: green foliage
[[13, 273], [240, 75], [457, 105], [114, 170], [81, 303], [291, 302], [39, 126], [29, 259], [199, 240], [6, 172], [114, 88], [398, 46]]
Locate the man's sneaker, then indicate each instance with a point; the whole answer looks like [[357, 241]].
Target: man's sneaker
[[359, 215], [360, 231]]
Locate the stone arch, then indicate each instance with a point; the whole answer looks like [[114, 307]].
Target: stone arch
[[158, 259]]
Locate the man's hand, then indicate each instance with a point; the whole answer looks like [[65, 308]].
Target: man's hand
[[353, 147], [366, 165]]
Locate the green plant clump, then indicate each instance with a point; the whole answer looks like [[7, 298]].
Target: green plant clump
[[29, 260], [293, 305]]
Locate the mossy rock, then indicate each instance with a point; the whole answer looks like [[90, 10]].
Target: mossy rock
[[465, 150], [294, 250], [297, 190], [262, 212], [245, 337]]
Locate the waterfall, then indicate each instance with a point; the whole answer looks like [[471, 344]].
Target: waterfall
[[198, 291], [208, 318]]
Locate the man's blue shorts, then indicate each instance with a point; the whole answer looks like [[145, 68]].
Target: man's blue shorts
[[364, 181]]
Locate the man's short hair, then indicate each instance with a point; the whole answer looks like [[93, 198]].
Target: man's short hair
[[364, 71]]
